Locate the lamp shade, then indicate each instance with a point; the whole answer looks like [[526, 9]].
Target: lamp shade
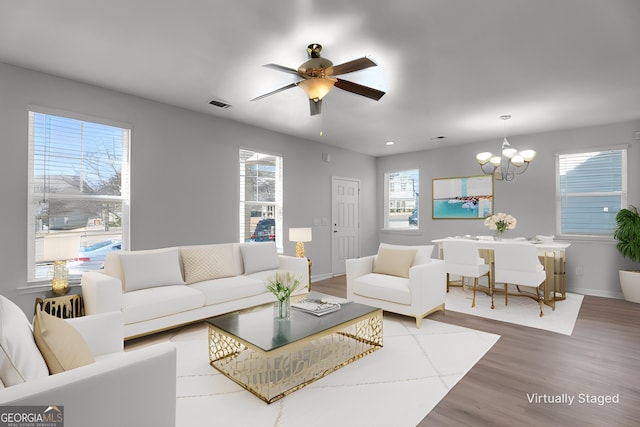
[[61, 247], [300, 234]]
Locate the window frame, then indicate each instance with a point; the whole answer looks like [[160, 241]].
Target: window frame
[[623, 149], [33, 279], [277, 204], [387, 200]]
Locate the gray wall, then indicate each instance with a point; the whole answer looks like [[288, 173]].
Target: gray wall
[[183, 188], [529, 197], [180, 196]]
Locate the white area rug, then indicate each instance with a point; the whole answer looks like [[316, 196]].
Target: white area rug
[[521, 310], [397, 385]]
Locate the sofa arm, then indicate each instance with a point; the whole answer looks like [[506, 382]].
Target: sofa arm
[[135, 388], [100, 293], [428, 285], [103, 332], [299, 265], [355, 268]]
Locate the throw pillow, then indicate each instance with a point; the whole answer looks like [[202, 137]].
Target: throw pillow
[[259, 256], [150, 269], [423, 252], [61, 345], [20, 359], [207, 262], [394, 262]]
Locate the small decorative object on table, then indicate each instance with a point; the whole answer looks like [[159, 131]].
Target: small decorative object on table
[[500, 223], [282, 285]]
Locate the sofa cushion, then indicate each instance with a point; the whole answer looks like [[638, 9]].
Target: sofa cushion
[[259, 256], [207, 262], [151, 268], [383, 287], [146, 304], [394, 262], [423, 252], [229, 289], [61, 345], [20, 359]]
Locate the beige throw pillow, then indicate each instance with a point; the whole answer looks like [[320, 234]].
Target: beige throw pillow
[[60, 344], [394, 262], [207, 262]]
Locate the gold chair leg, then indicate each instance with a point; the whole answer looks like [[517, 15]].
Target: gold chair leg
[[447, 282], [475, 286], [506, 294]]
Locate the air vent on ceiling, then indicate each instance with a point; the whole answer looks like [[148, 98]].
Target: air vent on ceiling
[[219, 103]]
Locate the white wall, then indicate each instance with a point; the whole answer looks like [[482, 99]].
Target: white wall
[[529, 197], [183, 188]]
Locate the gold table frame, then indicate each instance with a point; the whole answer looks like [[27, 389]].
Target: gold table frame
[[271, 375]]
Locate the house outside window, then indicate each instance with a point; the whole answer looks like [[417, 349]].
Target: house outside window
[[591, 188], [261, 198], [401, 196], [79, 188]]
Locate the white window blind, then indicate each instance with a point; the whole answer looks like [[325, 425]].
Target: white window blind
[[591, 189], [78, 185]]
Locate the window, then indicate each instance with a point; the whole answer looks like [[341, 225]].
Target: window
[[591, 189], [260, 197], [79, 188], [401, 199]]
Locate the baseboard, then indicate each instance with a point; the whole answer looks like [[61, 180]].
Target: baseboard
[[321, 277], [597, 293]]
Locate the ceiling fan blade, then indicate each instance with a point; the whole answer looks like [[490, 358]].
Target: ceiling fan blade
[[315, 107], [289, 86], [352, 87], [351, 66], [281, 68]]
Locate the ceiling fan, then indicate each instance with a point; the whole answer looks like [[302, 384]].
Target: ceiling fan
[[318, 77]]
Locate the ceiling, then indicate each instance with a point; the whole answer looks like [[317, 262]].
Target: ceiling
[[449, 68]]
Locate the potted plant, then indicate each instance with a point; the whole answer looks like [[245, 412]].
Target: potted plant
[[628, 236]]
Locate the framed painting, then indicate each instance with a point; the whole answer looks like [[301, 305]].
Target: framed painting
[[467, 197]]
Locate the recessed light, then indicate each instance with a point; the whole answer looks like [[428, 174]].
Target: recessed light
[[389, 143]]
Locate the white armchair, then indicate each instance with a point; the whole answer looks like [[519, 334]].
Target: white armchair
[[420, 293], [119, 388]]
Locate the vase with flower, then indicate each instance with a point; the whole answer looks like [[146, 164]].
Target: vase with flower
[[282, 285], [500, 223]]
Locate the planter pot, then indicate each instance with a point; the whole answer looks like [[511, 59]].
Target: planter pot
[[630, 283]]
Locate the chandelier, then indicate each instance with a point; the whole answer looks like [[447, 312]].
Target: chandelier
[[511, 163]]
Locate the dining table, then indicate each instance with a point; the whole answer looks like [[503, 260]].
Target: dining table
[[552, 255]]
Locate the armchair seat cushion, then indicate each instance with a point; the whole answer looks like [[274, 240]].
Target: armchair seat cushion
[[157, 302], [383, 287]]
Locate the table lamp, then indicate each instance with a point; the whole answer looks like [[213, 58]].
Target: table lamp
[[300, 235], [60, 248]]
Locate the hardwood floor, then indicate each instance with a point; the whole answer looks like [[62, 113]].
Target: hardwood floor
[[513, 384]]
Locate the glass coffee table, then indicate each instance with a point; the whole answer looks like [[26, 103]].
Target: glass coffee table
[[272, 358]]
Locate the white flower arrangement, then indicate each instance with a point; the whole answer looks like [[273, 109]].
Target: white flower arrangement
[[500, 222], [283, 285]]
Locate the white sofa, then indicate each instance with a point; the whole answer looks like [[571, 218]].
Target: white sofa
[[133, 388], [163, 288], [400, 279]]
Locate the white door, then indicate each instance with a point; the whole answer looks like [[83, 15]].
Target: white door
[[345, 222]]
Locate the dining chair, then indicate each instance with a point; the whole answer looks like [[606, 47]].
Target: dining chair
[[518, 264], [461, 258]]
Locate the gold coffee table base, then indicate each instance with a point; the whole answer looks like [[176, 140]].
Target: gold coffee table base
[[271, 375]]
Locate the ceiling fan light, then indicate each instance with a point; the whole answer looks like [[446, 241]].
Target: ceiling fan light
[[528, 155], [317, 88], [483, 157], [496, 160]]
